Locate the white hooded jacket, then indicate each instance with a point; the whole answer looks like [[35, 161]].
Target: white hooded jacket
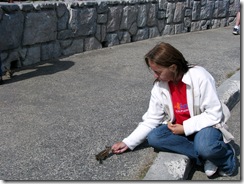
[[204, 106]]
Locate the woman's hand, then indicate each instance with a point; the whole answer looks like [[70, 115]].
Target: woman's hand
[[176, 128], [119, 147]]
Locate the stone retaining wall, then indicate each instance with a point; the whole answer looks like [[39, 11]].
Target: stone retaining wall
[[40, 31]]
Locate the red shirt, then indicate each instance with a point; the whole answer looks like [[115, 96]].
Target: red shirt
[[178, 95]]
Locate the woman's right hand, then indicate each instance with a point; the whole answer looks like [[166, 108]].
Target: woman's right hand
[[119, 147]]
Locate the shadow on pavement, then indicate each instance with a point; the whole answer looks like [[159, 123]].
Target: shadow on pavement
[[42, 68]]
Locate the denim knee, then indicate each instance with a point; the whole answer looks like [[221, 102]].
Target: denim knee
[[157, 136], [152, 138], [207, 143]]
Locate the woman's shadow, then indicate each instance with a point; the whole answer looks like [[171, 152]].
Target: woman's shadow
[[39, 69]]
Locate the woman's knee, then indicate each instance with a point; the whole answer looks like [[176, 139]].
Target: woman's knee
[[207, 142], [152, 138], [156, 136]]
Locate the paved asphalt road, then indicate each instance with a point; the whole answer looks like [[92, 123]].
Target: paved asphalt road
[[57, 115]]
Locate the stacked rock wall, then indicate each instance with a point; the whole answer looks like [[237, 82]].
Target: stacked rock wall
[[40, 31]]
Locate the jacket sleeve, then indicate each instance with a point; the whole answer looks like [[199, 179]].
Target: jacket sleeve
[[210, 109], [151, 119]]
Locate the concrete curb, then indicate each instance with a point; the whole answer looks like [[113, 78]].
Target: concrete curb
[[172, 166], [229, 91]]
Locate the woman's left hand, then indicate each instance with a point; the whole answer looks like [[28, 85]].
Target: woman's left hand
[[176, 128]]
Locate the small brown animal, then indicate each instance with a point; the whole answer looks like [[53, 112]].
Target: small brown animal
[[103, 154]]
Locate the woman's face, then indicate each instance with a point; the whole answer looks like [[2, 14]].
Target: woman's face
[[161, 73]]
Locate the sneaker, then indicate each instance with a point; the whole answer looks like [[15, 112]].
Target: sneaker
[[222, 173], [235, 31], [210, 168]]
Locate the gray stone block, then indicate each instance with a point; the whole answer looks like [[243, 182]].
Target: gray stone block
[[11, 27], [229, 91], [114, 16], [169, 166], [40, 27]]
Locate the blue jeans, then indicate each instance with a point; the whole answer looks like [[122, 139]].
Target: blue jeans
[[207, 144]]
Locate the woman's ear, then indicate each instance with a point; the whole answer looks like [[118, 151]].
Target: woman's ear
[[173, 68]]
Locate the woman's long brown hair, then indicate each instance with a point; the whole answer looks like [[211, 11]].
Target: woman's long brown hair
[[166, 55]]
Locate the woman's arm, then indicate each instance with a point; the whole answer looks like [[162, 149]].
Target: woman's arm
[[151, 119]]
